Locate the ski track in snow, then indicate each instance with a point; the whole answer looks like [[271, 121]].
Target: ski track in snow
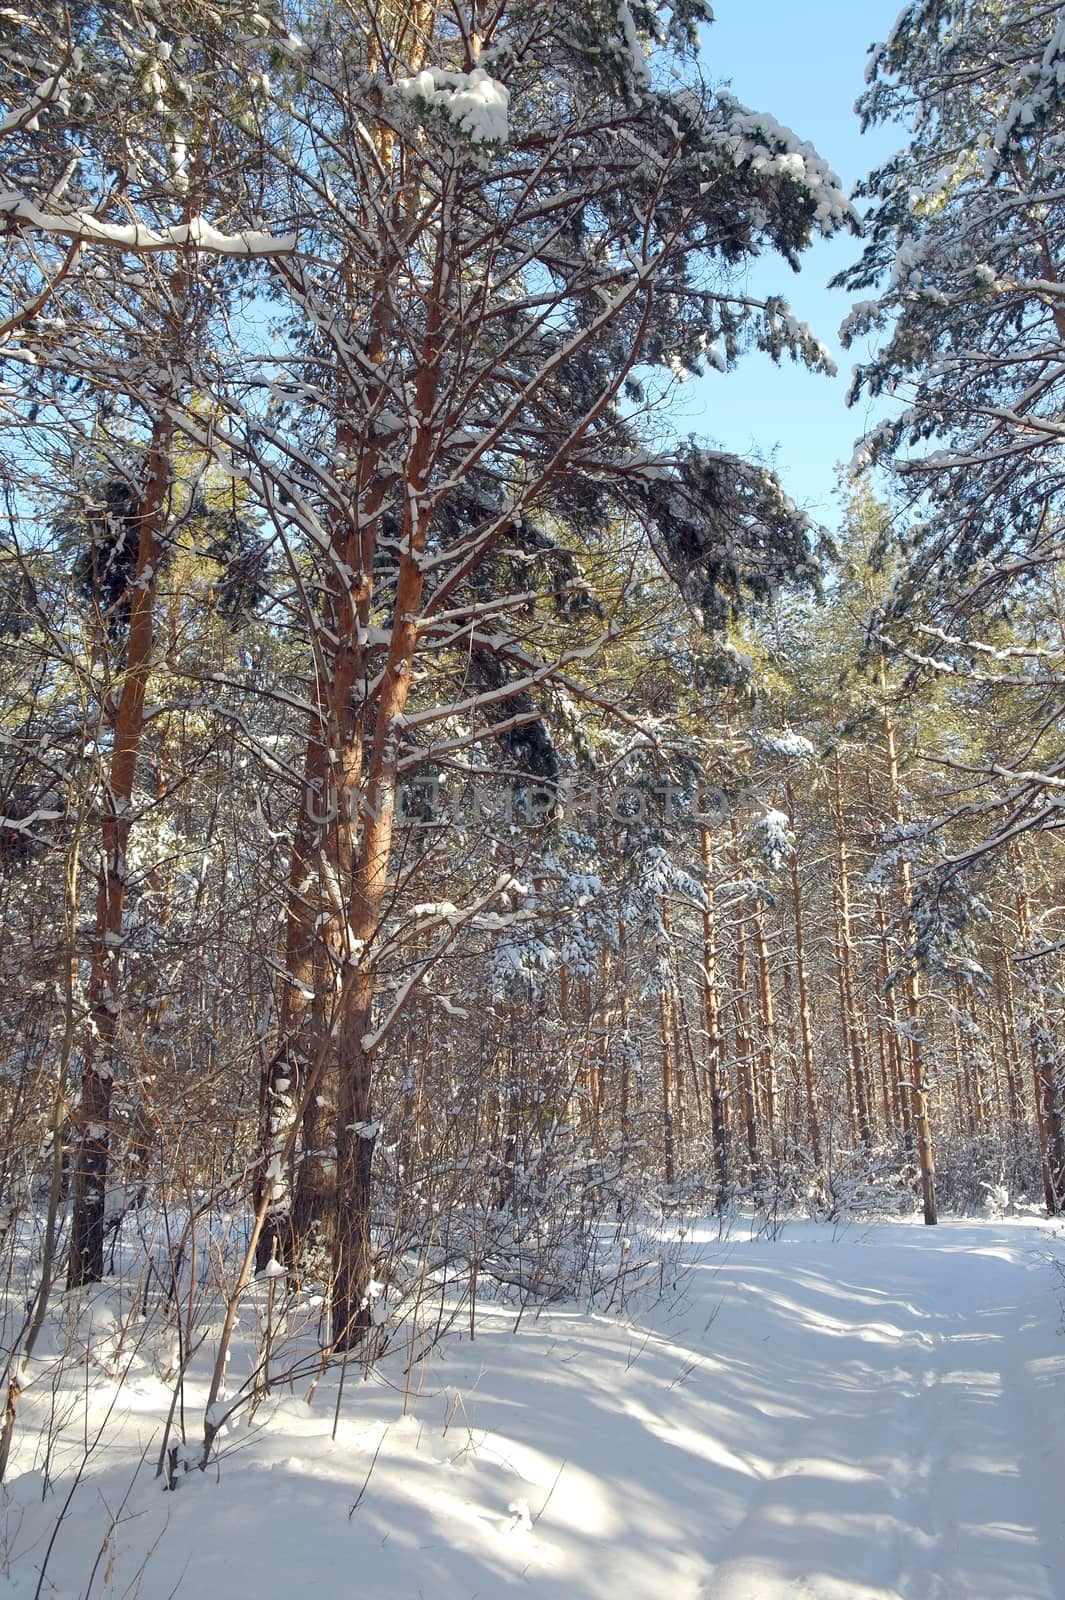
[[874, 1416]]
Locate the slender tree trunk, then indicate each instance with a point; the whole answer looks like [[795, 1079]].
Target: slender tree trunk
[[852, 1041], [677, 1056], [890, 1119], [1008, 1024], [767, 1052], [300, 998], [314, 1197], [813, 1123], [106, 976], [625, 1091], [900, 1086], [922, 1122], [743, 1053], [844, 1019], [715, 1033], [963, 1108], [598, 1044], [1045, 1065], [917, 1086], [669, 1152], [683, 1031]]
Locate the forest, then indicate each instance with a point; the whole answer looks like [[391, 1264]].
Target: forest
[[448, 816]]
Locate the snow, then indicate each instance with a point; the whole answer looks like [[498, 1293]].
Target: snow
[[475, 102], [197, 234], [1043, 87], [787, 743], [25, 117], [450, 1007], [873, 1413], [772, 148], [636, 58], [773, 832]]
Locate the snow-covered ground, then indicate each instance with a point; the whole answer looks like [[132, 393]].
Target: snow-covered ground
[[867, 1415]]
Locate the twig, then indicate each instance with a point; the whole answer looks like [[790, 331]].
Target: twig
[[369, 1475], [550, 1492]]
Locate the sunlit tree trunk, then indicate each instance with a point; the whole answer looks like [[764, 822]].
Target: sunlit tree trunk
[[767, 1047], [743, 1052], [852, 1042], [916, 1080], [625, 1087], [1045, 1062], [903, 1110], [1007, 1013], [669, 1151], [673, 1014], [806, 1041], [717, 1075]]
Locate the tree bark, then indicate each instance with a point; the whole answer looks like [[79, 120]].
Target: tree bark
[[916, 1084], [715, 1033], [1044, 1064], [742, 1051], [297, 1034], [852, 1042], [813, 1127], [106, 977], [767, 1052]]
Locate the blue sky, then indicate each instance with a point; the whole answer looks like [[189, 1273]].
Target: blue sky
[[805, 64]]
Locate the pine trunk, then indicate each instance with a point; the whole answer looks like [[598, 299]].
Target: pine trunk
[[767, 1052], [916, 1084], [1044, 1065], [715, 1036], [852, 1040], [107, 977], [806, 1039]]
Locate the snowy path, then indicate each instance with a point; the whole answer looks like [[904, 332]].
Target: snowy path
[[923, 1454], [879, 1416]]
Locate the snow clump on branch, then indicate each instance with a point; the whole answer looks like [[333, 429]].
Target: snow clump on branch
[[769, 147], [475, 102]]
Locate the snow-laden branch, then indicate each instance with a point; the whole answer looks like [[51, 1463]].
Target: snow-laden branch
[[197, 234], [448, 921], [473, 101], [25, 116]]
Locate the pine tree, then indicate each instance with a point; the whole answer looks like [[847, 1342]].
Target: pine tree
[[966, 243], [490, 257]]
